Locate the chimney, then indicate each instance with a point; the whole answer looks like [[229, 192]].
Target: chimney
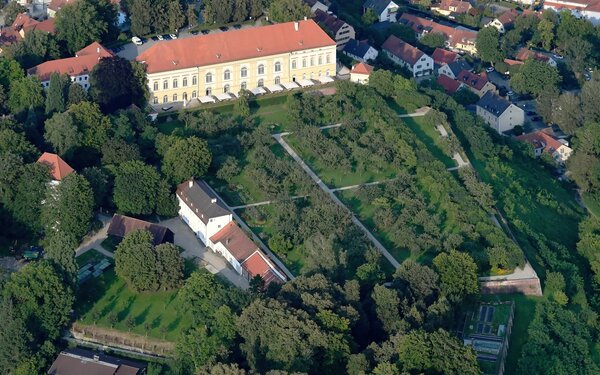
[[296, 25], [213, 200], [191, 183]]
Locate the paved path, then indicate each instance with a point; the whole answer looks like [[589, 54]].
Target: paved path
[[257, 239], [331, 193], [365, 184], [418, 113], [95, 241], [527, 272], [460, 161], [233, 208]]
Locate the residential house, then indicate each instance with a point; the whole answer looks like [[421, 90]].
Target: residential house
[[184, 69], [458, 38], [360, 51], [120, 226], [410, 57], [477, 83], [454, 68], [212, 222], [386, 10], [22, 25], [81, 361], [59, 169], [322, 5], [543, 142], [588, 9], [441, 56], [525, 53], [452, 8], [499, 113], [77, 67], [360, 73], [339, 30], [505, 21], [451, 86]]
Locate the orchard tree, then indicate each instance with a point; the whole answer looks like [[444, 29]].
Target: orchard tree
[[488, 44], [458, 275], [535, 77], [136, 186], [170, 272], [186, 158], [288, 10], [62, 133], [69, 207]]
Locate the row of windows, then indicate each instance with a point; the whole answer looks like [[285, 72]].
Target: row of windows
[[312, 61], [208, 78]]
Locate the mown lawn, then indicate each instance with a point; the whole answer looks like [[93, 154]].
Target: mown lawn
[[430, 136], [524, 312], [156, 315]]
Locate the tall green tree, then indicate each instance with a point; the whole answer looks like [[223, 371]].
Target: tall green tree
[[17, 144], [140, 16], [24, 94], [60, 250], [62, 133], [10, 72], [56, 100], [135, 190], [91, 123], [28, 193], [458, 275], [112, 94], [186, 158], [568, 113], [488, 44], [288, 10], [69, 207], [79, 23], [37, 46], [535, 77], [12, 10], [15, 339]]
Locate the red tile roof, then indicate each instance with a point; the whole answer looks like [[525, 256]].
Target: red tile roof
[[540, 139], [525, 54], [450, 85], [11, 34], [329, 21], [453, 36], [362, 68], [235, 240], [442, 56], [508, 17], [84, 61], [455, 6], [511, 62], [476, 81], [234, 46], [402, 50], [59, 168], [257, 264]]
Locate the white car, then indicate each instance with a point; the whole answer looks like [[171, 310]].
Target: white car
[[137, 41], [490, 69], [557, 56], [173, 36], [160, 37]]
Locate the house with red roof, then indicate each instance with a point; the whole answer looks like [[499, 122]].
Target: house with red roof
[[525, 53], [441, 56], [339, 30], [451, 86], [22, 25], [477, 83], [59, 169], [505, 21], [77, 67], [212, 222], [543, 142], [360, 73], [457, 38], [410, 57], [452, 8]]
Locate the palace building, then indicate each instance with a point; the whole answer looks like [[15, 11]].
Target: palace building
[[227, 62]]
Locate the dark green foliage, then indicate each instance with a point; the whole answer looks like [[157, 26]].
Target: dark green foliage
[[155, 16], [17, 144], [488, 44], [76, 94], [60, 250], [535, 77], [186, 158], [117, 151], [37, 46], [110, 93], [56, 96], [458, 275], [136, 188], [25, 93], [11, 11], [433, 40], [288, 10], [145, 267]]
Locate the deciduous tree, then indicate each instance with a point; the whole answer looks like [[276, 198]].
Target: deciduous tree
[[288, 10], [535, 77], [186, 158], [458, 275], [488, 44], [135, 190]]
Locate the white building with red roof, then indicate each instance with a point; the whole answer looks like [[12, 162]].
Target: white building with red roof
[[504, 21], [360, 73], [212, 222], [410, 57], [59, 169], [452, 8], [588, 9], [458, 38], [77, 67], [543, 142]]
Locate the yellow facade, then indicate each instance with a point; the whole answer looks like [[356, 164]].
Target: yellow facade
[[231, 77]]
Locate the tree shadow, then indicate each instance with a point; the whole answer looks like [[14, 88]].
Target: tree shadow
[[174, 324], [141, 317], [121, 315]]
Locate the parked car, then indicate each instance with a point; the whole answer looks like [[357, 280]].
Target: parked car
[[557, 56], [154, 38], [223, 28], [237, 26], [160, 37], [205, 31], [490, 69], [166, 37], [137, 41], [194, 32], [510, 93], [173, 36]]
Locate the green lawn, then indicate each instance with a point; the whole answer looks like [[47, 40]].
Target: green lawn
[[592, 204], [294, 259], [430, 136], [154, 314], [524, 312]]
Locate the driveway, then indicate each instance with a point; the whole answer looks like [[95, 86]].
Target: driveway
[[195, 249], [130, 51]]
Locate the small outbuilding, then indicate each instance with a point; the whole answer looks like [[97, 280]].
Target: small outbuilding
[[120, 226]]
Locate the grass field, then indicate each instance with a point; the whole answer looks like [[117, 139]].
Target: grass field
[[524, 312], [153, 314], [430, 137]]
